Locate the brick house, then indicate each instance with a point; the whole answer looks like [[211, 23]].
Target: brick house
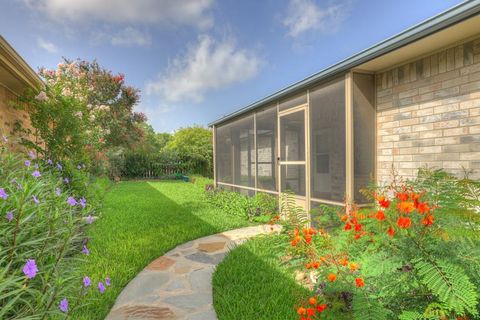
[[410, 101], [15, 77]]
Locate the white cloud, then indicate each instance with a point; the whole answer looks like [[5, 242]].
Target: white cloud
[[305, 15], [168, 12], [46, 45], [206, 66], [130, 37]]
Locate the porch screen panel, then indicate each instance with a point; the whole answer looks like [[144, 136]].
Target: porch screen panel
[[267, 148], [363, 132], [236, 152], [294, 101], [224, 154], [327, 114]]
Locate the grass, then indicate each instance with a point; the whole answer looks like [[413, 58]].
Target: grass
[[140, 222], [250, 279]]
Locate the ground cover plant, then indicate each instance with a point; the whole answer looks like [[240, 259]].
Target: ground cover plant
[[141, 221], [44, 210]]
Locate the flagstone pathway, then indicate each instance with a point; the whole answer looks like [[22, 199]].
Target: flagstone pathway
[[178, 285]]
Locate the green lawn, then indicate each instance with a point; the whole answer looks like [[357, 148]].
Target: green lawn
[[141, 221], [250, 279]]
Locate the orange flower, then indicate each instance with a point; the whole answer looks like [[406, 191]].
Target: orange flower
[[428, 220], [315, 265], [348, 226], [402, 196], [358, 227], [359, 282], [312, 301], [293, 243], [321, 308], [332, 277], [308, 266], [353, 266], [344, 262], [390, 231], [404, 222], [310, 311], [308, 239], [406, 206], [301, 311], [384, 203], [423, 207], [344, 217], [380, 215]]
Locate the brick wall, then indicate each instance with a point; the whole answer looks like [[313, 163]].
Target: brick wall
[[428, 113], [9, 115]]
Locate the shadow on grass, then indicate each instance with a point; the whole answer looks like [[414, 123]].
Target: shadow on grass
[[140, 222], [249, 284]]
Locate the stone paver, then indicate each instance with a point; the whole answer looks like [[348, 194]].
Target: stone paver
[[178, 285]]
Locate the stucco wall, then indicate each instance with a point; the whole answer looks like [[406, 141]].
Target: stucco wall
[[428, 113]]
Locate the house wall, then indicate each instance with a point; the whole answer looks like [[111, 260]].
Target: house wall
[[8, 115], [428, 113]]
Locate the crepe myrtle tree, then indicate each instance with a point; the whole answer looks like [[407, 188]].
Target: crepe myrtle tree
[[82, 109]]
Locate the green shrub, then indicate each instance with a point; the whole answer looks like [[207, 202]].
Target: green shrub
[[258, 208], [162, 165], [44, 209]]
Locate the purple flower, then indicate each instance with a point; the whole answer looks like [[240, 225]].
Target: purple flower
[[64, 305], [71, 201], [36, 166], [107, 281], [83, 202], [59, 166], [34, 199], [3, 194], [9, 216], [36, 174], [30, 269], [58, 192], [85, 250], [86, 281], [101, 287], [27, 163], [66, 180], [49, 161], [4, 138], [89, 219], [32, 154]]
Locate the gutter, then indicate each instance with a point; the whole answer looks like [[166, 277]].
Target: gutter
[[425, 28]]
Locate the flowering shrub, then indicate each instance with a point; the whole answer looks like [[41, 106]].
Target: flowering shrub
[[415, 255], [82, 110], [42, 219]]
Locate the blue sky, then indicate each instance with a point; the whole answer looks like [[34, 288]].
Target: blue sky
[[197, 60]]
